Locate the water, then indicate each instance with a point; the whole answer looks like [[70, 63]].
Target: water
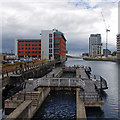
[[61, 104], [68, 75], [109, 71], [58, 105]]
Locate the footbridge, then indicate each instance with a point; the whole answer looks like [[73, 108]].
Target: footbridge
[[59, 82]]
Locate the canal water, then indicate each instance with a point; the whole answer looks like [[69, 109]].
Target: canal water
[[62, 104], [58, 105], [109, 71]]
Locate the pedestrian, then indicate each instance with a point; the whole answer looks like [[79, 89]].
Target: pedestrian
[[21, 65]]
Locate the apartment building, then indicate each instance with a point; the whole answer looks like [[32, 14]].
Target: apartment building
[[95, 45], [118, 47], [28, 48], [52, 45], [59, 45], [118, 36]]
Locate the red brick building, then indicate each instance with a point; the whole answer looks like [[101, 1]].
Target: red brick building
[[28, 48], [59, 46]]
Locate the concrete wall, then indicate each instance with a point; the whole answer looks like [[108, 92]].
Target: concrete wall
[[80, 107], [23, 111], [27, 108]]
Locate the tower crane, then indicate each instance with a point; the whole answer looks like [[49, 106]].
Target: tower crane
[[107, 30]]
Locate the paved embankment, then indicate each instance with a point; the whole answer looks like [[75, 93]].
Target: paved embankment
[[80, 107], [101, 59]]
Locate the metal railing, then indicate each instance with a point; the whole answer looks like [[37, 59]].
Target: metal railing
[[25, 69], [99, 81], [59, 82], [90, 96]]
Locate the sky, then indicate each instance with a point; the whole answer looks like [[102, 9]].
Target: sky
[[77, 19]]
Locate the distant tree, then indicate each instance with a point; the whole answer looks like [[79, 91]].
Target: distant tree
[[114, 53]]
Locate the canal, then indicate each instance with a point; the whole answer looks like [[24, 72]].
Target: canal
[[109, 71], [58, 105], [62, 104]]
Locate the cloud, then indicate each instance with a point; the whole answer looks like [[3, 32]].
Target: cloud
[[77, 21]]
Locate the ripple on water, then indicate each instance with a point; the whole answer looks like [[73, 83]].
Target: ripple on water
[[58, 105]]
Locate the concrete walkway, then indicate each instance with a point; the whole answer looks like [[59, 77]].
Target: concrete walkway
[[80, 107]]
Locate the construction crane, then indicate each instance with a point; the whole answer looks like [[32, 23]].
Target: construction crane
[[107, 30]]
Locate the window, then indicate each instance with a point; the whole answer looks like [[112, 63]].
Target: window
[[39, 51], [19, 52], [39, 44], [19, 44], [56, 51], [22, 48], [26, 48], [25, 51], [50, 35], [32, 51], [57, 46], [32, 44], [50, 50], [32, 48], [57, 41], [35, 48], [19, 48], [50, 55], [50, 45], [35, 44], [50, 40], [35, 51], [29, 44], [22, 51], [22, 45], [25, 44], [39, 48]]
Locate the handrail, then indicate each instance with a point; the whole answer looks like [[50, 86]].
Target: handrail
[[88, 96], [59, 82]]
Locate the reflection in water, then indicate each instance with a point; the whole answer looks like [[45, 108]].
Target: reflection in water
[[58, 105], [104, 95], [94, 113], [119, 90], [68, 75]]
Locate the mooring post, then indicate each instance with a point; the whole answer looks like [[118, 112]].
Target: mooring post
[[7, 73], [100, 84], [2, 75]]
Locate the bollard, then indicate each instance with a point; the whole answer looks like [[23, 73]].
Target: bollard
[[7, 73], [53, 75], [16, 71], [2, 75]]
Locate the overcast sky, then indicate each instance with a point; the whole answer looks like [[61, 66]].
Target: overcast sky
[[77, 19]]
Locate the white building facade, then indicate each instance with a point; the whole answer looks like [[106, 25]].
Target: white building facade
[[118, 36], [47, 44], [95, 45]]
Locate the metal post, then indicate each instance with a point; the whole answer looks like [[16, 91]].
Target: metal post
[[24, 91], [59, 82], [100, 82], [83, 96], [69, 82], [7, 73], [2, 75]]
